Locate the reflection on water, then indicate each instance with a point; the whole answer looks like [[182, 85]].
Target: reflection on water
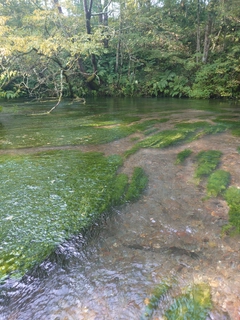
[[169, 234]]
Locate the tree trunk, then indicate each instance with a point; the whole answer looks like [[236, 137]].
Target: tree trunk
[[198, 49], [207, 40], [88, 14]]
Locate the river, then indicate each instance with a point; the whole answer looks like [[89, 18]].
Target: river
[[172, 233]]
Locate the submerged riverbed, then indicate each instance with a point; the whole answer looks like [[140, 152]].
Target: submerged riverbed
[[172, 234]]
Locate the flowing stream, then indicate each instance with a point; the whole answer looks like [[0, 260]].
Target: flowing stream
[[172, 233]]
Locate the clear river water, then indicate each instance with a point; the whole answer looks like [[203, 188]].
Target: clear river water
[[171, 234]]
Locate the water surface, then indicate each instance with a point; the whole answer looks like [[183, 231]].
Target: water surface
[[169, 234]]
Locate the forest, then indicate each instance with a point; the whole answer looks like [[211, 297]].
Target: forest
[[152, 48]]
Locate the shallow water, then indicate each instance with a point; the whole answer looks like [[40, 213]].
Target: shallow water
[[170, 233]]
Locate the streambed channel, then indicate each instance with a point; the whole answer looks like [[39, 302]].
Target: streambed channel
[[172, 233]]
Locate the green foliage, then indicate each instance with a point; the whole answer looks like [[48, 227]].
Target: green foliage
[[215, 80], [194, 305], [218, 182], [125, 57], [232, 197], [183, 155], [137, 184], [207, 161]]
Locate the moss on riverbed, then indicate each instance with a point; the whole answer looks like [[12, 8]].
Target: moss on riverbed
[[194, 302], [232, 197], [184, 132], [207, 162], [183, 155], [48, 197], [218, 182]]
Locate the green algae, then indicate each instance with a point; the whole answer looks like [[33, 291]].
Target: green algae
[[183, 155], [137, 184], [232, 196], [218, 182], [194, 304], [236, 132], [48, 197], [153, 302], [207, 162], [184, 132]]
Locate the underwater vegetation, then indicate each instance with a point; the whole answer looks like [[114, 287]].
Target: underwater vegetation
[[218, 182], [153, 302], [232, 196], [183, 155], [48, 197], [194, 302], [184, 132], [207, 162]]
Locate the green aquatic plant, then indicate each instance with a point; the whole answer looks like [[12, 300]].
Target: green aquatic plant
[[48, 197], [238, 149], [120, 186], [194, 304], [153, 302], [184, 132], [183, 155], [236, 132], [137, 184], [207, 161], [164, 139], [232, 196], [218, 182]]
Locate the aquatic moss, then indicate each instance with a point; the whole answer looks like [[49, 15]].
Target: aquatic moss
[[137, 184], [207, 161], [183, 155], [164, 139], [120, 186], [194, 305], [153, 302], [48, 197], [218, 182], [232, 197], [185, 132], [144, 125], [236, 132]]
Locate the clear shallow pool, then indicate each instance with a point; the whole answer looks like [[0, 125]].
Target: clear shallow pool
[[125, 258]]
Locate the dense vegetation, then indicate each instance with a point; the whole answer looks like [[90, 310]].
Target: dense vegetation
[[75, 48]]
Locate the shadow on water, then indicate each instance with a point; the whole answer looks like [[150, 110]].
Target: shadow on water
[[119, 269]]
